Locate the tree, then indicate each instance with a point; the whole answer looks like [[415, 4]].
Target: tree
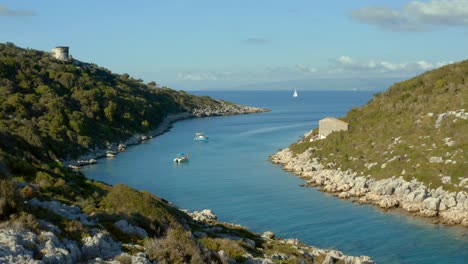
[[110, 111]]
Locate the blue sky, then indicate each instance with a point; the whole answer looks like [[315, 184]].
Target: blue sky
[[204, 44]]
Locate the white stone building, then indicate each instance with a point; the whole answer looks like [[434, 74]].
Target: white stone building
[[61, 53], [329, 125]]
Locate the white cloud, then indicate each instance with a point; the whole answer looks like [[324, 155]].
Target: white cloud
[[306, 69], [345, 60], [186, 76], [416, 15], [5, 11], [347, 64]]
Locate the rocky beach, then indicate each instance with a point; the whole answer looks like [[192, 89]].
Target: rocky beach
[[414, 197]]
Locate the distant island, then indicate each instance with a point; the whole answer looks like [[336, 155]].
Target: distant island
[[406, 148], [55, 111]]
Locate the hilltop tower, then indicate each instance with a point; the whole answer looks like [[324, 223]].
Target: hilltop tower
[[61, 53]]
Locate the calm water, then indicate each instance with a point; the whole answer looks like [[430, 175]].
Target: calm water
[[231, 175]]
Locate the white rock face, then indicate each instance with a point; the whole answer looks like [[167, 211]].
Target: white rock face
[[100, 245], [205, 215], [268, 235], [414, 197], [19, 246], [70, 212], [129, 229]]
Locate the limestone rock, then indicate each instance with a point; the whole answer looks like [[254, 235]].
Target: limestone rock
[[388, 202], [250, 243], [20, 246], [413, 196], [17, 246], [205, 215], [268, 235], [70, 212], [100, 245], [129, 229], [431, 204]]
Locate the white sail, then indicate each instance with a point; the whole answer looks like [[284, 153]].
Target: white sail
[[295, 93]]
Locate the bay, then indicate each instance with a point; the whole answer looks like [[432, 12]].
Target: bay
[[231, 175]]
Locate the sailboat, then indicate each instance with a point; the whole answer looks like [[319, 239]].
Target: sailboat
[[295, 93]]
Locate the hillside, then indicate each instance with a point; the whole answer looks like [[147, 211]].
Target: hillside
[[416, 129], [53, 111], [406, 148]]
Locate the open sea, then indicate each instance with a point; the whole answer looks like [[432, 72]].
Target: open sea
[[231, 175]]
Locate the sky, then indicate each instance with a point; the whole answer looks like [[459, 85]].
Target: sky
[[247, 44]]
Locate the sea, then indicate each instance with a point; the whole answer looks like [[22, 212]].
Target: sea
[[231, 174]]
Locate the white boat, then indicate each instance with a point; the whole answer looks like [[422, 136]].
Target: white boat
[[181, 157], [295, 93], [200, 137]]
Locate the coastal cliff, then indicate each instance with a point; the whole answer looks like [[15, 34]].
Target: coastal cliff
[[51, 113], [405, 148]]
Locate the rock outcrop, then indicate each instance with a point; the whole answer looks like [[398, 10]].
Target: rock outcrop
[[414, 197], [303, 251], [22, 246], [129, 229], [97, 245]]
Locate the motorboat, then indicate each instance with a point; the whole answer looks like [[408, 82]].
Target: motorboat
[[181, 157], [200, 137]]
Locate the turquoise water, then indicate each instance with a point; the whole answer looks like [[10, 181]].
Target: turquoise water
[[231, 175]]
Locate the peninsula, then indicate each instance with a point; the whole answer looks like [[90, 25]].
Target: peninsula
[[406, 148]]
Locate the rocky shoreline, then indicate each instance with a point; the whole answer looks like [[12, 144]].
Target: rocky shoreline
[[414, 197], [114, 148], [19, 245]]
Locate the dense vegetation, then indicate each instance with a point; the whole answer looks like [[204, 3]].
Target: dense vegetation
[[68, 107], [398, 132]]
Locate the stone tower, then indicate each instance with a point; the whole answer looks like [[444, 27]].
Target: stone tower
[[61, 53]]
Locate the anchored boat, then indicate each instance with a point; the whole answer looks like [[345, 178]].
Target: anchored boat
[[200, 137], [181, 157]]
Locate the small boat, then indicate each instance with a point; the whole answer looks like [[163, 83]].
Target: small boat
[[200, 137], [295, 93], [181, 157]]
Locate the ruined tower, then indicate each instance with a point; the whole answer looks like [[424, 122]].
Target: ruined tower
[[61, 53]]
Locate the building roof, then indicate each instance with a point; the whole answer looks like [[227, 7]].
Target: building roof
[[334, 119]]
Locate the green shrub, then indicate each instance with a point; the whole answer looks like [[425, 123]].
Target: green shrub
[[177, 247], [10, 200], [44, 179], [232, 248], [125, 200], [23, 220]]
